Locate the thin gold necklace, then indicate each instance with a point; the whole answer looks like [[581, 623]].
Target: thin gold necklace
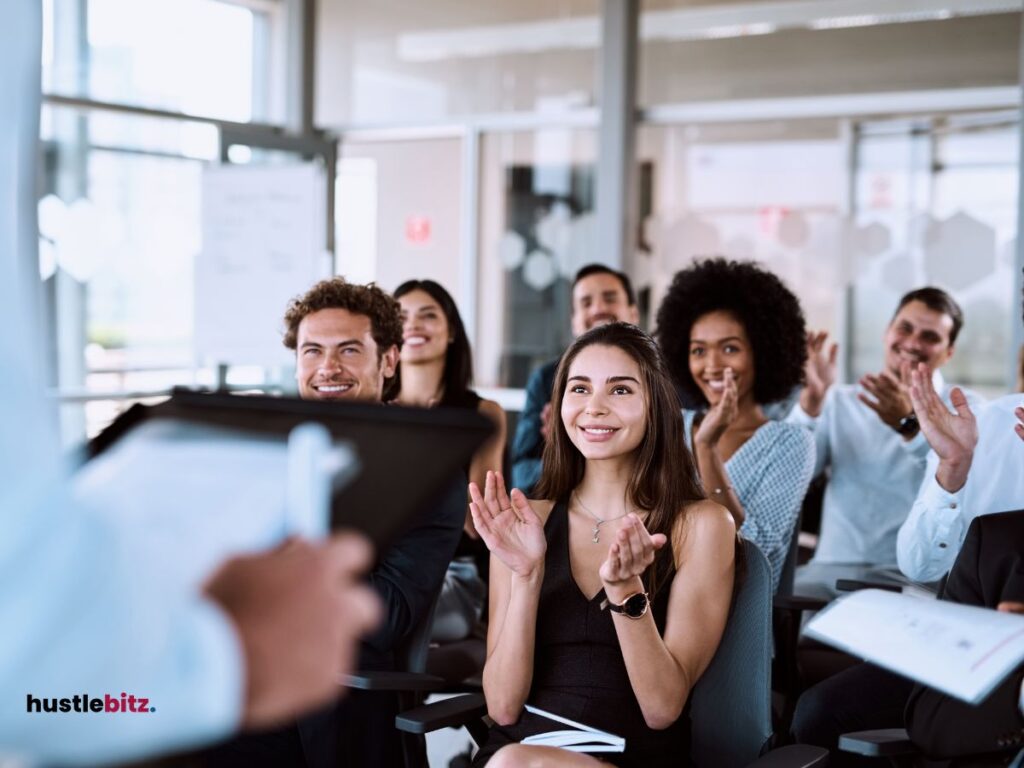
[[598, 521]]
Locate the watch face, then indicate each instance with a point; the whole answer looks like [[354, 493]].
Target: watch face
[[635, 606], [908, 425]]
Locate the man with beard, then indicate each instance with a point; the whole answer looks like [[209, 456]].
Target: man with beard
[[869, 439], [347, 340]]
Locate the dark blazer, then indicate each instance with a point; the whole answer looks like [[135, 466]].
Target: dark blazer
[[361, 729], [528, 445], [988, 571]]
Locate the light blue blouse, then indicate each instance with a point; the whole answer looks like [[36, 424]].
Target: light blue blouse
[[769, 474]]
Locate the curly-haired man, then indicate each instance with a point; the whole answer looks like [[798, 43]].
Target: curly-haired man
[[346, 339]]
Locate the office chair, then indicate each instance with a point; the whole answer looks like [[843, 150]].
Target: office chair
[[787, 613], [410, 683], [730, 706]]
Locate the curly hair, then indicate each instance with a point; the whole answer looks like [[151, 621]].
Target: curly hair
[[758, 299], [384, 312]]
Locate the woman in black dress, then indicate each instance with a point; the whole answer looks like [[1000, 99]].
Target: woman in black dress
[[625, 526], [437, 367], [436, 370]]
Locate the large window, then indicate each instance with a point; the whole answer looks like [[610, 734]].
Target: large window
[[536, 229], [201, 57], [723, 51], [772, 192], [936, 203], [120, 223], [406, 61]]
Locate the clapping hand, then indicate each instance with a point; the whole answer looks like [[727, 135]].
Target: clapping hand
[[509, 527], [891, 395], [819, 372], [951, 435], [1019, 426], [721, 415], [630, 554]]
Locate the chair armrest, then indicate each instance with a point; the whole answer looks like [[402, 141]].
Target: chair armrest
[[793, 756], [799, 603], [417, 682], [885, 742], [852, 585], [449, 713]]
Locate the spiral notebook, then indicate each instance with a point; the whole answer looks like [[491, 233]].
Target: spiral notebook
[[582, 738]]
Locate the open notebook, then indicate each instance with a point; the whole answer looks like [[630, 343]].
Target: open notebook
[[582, 738]]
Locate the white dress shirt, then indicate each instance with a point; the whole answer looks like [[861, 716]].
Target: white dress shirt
[[930, 539], [81, 611], [874, 477]]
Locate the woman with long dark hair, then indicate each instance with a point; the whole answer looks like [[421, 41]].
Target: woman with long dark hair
[[436, 370], [734, 338], [437, 367], [609, 598]]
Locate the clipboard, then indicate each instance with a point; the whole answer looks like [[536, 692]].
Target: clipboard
[[407, 457]]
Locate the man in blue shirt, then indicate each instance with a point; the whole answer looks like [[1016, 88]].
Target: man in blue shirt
[[599, 295]]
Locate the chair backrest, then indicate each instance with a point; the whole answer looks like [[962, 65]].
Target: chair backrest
[[411, 654], [787, 576], [730, 706]]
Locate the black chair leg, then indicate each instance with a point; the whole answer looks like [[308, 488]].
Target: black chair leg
[[414, 747]]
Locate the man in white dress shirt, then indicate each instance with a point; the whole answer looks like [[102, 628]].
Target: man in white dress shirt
[[81, 612], [868, 438], [976, 468]]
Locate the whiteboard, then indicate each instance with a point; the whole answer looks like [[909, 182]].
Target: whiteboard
[[263, 234]]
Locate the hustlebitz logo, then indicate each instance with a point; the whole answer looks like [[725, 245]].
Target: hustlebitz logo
[[126, 703]]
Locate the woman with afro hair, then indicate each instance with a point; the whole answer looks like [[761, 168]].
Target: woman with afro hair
[[735, 340]]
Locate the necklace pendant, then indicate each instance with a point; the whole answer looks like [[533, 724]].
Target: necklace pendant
[[597, 532]]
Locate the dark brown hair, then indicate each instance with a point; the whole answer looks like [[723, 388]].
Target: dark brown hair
[[384, 312], [664, 477], [601, 269], [458, 359], [937, 300], [336, 293]]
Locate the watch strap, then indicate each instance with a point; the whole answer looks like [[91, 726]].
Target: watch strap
[[624, 607]]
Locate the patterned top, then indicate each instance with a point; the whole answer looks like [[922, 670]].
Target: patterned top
[[769, 474]]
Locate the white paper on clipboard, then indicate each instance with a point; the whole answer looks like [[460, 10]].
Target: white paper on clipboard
[[962, 650]]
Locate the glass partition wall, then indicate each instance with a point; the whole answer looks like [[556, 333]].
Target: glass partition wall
[[855, 159], [120, 193]]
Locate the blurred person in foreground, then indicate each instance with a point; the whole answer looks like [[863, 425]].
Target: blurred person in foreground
[[81, 610]]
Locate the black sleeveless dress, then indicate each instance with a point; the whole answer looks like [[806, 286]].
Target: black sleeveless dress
[[470, 547], [579, 672]]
